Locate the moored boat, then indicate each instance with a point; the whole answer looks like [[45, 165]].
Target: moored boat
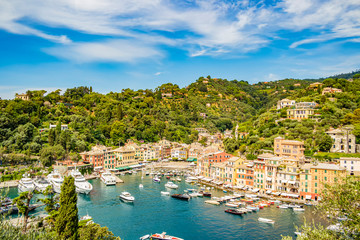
[[181, 196], [163, 236], [266, 220], [82, 186], [56, 180], [165, 193], [156, 179], [26, 184], [107, 178], [41, 184], [126, 196], [234, 211], [171, 185], [299, 209]]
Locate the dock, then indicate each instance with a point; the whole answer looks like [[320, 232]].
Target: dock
[[9, 184]]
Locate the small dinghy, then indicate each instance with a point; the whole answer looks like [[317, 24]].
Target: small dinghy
[[266, 220]]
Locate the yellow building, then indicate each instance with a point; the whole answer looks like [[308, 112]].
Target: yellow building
[[299, 113], [314, 177], [289, 148], [23, 96], [125, 157]]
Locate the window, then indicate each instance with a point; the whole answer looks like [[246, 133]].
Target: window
[[325, 171], [315, 184], [306, 177], [325, 178], [315, 170], [315, 177], [315, 190]]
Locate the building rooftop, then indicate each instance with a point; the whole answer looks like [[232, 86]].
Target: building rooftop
[[328, 166]]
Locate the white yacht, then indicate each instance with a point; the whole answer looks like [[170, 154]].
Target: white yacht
[[41, 184], [82, 186], [171, 185], [26, 184], [107, 178], [126, 197], [56, 180]]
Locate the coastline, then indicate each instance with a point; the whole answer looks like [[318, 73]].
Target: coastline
[[9, 184]]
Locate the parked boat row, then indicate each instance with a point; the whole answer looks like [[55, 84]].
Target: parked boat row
[[55, 180]]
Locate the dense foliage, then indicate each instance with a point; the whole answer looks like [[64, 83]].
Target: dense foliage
[[173, 113]]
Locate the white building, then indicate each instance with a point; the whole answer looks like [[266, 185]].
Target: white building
[[344, 141], [285, 103], [63, 127], [352, 165]]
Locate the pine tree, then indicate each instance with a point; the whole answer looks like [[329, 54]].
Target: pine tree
[[67, 221]]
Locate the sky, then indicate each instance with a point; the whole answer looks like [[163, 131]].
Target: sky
[[116, 44]]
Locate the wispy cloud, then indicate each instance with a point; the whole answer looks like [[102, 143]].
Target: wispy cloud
[[135, 27]]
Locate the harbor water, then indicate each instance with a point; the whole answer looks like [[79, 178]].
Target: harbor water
[[191, 220]]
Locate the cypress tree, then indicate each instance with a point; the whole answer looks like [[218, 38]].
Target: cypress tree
[[66, 224]]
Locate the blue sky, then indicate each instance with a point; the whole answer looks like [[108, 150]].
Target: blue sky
[[138, 44]]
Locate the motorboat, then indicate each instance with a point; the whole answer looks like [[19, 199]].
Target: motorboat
[[234, 211], [283, 206], [145, 237], [87, 218], [165, 193], [41, 184], [107, 178], [26, 184], [294, 206], [6, 201], [171, 185], [141, 186], [233, 204], [181, 196], [178, 179], [212, 202], [56, 180], [205, 194], [81, 185], [266, 220], [199, 194], [193, 194], [125, 196], [308, 204], [253, 208], [156, 179], [163, 236], [299, 209], [191, 189]]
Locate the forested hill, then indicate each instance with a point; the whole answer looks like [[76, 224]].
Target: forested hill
[[146, 115]]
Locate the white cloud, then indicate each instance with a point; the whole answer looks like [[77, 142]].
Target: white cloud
[[106, 51], [158, 73], [207, 27]]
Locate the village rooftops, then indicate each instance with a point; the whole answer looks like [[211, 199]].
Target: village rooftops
[[350, 158], [265, 156], [328, 166]]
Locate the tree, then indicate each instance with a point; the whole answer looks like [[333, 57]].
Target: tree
[[23, 204], [324, 142], [66, 224], [50, 201], [339, 199], [93, 231], [51, 153]]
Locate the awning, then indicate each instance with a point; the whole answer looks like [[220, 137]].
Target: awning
[[293, 195], [191, 160], [255, 190], [268, 191], [284, 194], [135, 166], [123, 168], [276, 193], [269, 179], [308, 197], [284, 181], [292, 182]]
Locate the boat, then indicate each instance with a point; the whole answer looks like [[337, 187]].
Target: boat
[[205, 194], [6, 201], [253, 208], [234, 211], [308, 204], [194, 194], [87, 218], [147, 236], [107, 178], [224, 191], [178, 179], [232, 204], [199, 194], [299, 209], [125, 196], [56, 180], [141, 186], [266, 220], [165, 193], [181, 196], [171, 185], [26, 184], [82, 186], [213, 202], [41, 184], [163, 236], [283, 206], [156, 179]]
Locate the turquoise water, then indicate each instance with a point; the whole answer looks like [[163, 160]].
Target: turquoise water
[[192, 220]]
